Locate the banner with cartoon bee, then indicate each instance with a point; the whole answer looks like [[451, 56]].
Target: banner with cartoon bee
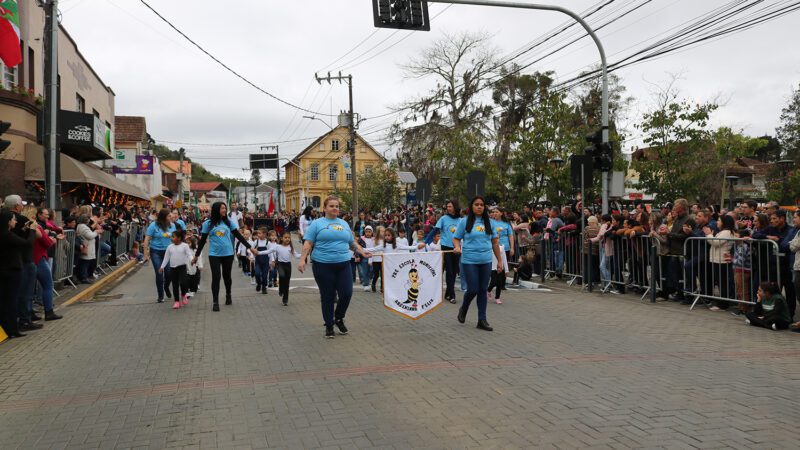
[[412, 283]]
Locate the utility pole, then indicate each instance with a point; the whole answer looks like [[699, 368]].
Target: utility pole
[[352, 140], [181, 152], [277, 168], [51, 151]]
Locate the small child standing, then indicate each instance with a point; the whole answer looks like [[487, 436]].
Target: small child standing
[[178, 255], [262, 260], [283, 256], [273, 273], [435, 245], [242, 252], [193, 270]]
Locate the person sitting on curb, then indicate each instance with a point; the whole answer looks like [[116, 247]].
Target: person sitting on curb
[[771, 310]]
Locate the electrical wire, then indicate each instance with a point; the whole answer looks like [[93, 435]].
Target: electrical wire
[[226, 67]]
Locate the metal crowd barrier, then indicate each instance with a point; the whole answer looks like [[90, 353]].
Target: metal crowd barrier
[[633, 263], [121, 247], [64, 258], [729, 270]]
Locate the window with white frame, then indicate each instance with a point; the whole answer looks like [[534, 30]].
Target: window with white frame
[[335, 145], [350, 176], [367, 169], [322, 146], [315, 172], [333, 171], [9, 79]]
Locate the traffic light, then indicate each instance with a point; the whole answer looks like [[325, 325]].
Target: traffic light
[[601, 152], [4, 126], [401, 14]]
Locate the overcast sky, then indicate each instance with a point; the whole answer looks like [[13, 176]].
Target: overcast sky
[[279, 45]]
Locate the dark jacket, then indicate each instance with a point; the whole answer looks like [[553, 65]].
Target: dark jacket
[[27, 252], [774, 309], [676, 236], [14, 246]]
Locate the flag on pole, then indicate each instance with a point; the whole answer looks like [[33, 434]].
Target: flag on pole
[[271, 207], [412, 283], [10, 52]]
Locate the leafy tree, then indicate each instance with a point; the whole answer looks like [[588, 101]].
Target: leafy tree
[[771, 152], [680, 157], [730, 145], [789, 130]]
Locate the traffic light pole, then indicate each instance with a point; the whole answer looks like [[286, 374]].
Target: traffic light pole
[[579, 19]]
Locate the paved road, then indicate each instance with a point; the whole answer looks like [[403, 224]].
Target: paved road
[[562, 370]]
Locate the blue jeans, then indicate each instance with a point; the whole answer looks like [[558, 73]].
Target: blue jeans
[[157, 257], [261, 270], [477, 277], [605, 274], [334, 279], [25, 293], [461, 276], [45, 278], [364, 271], [105, 249]]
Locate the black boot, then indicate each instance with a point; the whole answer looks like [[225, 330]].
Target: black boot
[[215, 308], [228, 299], [484, 325], [50, 315], [462, 315]]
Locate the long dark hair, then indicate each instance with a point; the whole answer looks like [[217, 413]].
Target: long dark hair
[[161, 219], [456, 208], [503, 216], [307, 212], [5, 217], [484, 216], [216, 215], [394, 237]]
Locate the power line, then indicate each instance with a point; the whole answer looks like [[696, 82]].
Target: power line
[[260, 89], [253, 144]]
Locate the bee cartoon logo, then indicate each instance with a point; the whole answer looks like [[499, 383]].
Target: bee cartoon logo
[[480, 228], [452, 228], [412, 286], [220, 233], [337, 227], [165, 235]]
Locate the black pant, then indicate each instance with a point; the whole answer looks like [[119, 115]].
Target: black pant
[[758, 322], [451, 264], [498, 279], [333, 279], [284, 277], [225, 263], [179, 281], [377, 272], [244, 262], [194, 281], [9, 290]]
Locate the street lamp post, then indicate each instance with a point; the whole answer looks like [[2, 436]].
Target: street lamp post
[[317, 118], [732, 179], [785, 165]]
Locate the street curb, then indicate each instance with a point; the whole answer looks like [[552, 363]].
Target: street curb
[[99, 284]]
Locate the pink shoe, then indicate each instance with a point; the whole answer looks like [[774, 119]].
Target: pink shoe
[[498, 301], [176, 305], [185, 300]]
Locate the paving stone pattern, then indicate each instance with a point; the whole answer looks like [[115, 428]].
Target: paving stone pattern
[[562, 369]]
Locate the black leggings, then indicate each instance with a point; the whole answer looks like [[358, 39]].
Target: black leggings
[[284, 277], [498, 279], [451, 265], [225, 263], [376, 273], [179, 280]]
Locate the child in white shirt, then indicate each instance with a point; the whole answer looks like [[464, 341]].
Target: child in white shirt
[[178, 255], [193, 270]]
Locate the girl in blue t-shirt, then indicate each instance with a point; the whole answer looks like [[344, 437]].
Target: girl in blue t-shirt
[[217, 230], [447, 225], [331, 240], [505, 235], [475, 240], [157, 238]]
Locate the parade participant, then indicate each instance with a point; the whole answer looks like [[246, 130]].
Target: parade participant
[[436, 244], [390, 245], [263, 260], [330, 239], [193, 269], [283, 260], [157, 239], [272, 237], [447, 225], [505, 235], [178, 256], [217, 230], [305, 220], [10, 267], [364, 264], [242, 251], [476, 241], [377, 261]]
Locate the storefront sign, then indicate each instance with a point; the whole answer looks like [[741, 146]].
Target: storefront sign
[[82, 135], [144, 166]]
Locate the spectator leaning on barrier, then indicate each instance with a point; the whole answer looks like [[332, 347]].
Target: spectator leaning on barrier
[[675, 240], [794, 247], [782, 234]]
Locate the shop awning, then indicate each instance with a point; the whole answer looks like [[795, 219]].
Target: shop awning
[[74, 171]]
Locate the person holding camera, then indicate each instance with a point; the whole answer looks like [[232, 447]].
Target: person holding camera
[[14, 246]]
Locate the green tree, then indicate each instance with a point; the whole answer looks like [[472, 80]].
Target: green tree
[[789, 130], [680, 158]]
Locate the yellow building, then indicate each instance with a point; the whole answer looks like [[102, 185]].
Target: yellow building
[[323, 167]]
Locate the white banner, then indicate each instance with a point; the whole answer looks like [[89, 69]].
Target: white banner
[[412, 283]]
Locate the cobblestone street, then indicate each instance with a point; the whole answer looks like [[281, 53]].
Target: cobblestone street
[[562, 369]]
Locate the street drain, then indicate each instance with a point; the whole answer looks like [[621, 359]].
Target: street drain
[[105, 297]]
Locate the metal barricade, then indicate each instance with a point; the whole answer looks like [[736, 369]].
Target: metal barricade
[[729, 270], [64, 258], [121, 243]]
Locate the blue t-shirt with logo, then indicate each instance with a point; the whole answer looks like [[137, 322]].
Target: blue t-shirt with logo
[[447, 226], [220, 242], [503, 230], [181, 224], [160, 239], [476, 246], [331, 239]]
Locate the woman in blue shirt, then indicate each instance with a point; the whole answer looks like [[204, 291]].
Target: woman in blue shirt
[[447, 225], [505, 234], [330, 239], [218, 230], [475, 240], [156, 240]]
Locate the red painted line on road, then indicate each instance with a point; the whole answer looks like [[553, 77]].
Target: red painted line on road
[[288, 377]]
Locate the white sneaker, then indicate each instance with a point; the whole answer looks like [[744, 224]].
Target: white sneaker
[[253, 281], [366, 288], [747, 321], [715, 308], [774, 327], [190, 294]]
